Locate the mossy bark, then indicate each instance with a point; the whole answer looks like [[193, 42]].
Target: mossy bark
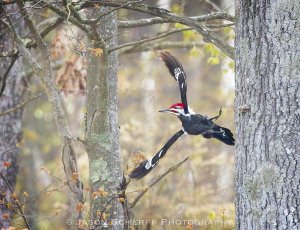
[[102, 138], [267, 114]]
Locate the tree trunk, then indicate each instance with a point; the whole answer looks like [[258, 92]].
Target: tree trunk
[[268, 115], [102, 139], [10, 126]]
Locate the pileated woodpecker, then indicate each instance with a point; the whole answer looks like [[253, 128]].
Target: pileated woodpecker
[[192, 124]]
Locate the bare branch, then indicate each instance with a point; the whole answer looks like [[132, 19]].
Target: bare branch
[[9, 2], [4, 78], [155, 181], [21, 42], [43, 193], [213, 5], [201, 29], [214, 26], [21, 105], [158, 20], [17, 203], [27, 42], [161, 46], [160, 36], [65, 16], [115, 9], [9, 150], [51, 27]]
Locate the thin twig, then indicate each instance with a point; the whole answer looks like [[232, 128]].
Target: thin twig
[[115, 9], [161, 46], [51, 27], [21, 105], [155, 181], [135, 43], [159, 20], [42, 193], [213, 5], [4, 78], [28, 42], [208, 36], [45, 218], [65, 15], [9, 150], [22, 47], [17, 203]]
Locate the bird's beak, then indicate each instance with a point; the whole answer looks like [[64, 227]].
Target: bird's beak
[[164, 111]]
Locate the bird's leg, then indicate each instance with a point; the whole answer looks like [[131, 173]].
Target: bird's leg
[[216, 117]]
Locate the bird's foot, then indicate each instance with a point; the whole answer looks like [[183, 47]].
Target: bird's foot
[[216, 117]]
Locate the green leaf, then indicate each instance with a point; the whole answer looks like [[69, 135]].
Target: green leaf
[[213, 60], [211, 49], [212, 215]]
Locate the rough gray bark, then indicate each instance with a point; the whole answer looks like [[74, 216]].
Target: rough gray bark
[[267, 115], [102, 137], [10, 125]]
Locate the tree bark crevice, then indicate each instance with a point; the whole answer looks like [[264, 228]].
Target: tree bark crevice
[[268, 146]]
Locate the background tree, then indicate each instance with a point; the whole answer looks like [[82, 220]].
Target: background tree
[[12, 89], [267, 115]]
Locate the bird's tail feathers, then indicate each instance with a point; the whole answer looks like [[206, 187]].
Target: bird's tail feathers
[[140, 171], [223, 134], [144, 167]]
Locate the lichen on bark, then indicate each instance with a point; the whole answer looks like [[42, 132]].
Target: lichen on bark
[[102, 137]]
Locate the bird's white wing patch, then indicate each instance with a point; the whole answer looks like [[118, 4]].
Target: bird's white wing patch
[[177, 72], [148, 164], [159, 154]]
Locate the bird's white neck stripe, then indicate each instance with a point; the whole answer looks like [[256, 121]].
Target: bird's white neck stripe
[[191, 111]]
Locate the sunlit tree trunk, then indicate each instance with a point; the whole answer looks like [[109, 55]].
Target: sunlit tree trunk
[[102, 139], [267, 115], [10, 127]]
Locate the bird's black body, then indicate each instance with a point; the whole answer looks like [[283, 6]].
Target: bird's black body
[[192, 124], [196, 124]]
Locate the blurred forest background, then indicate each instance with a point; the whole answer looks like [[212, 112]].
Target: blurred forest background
[[202, 188]]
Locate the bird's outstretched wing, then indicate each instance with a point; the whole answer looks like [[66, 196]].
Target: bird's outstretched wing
[[177, 71], [146, 166]]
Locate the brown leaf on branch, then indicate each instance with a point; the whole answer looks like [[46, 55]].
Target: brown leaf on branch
[[138, 158], [102, 193], [79, 207], [97, 52]]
